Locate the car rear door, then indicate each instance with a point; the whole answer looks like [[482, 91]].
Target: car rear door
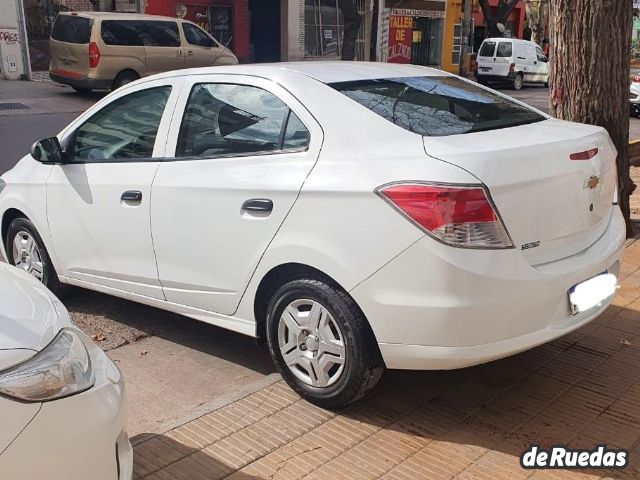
[[237, 155], [503, 59], [486, 58], [162, 46], [98, 202]]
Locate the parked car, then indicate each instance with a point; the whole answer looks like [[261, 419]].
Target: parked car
[[512, 61], [353, 215], [61, 398], [634, 96], [100, 50]]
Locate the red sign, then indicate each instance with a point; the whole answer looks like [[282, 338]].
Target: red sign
[[400, 38]]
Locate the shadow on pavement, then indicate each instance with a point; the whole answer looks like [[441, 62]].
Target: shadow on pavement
[[113, 322]]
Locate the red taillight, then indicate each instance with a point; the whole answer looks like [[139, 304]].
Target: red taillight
[[512, 68], [586, 155], [636, 79], [457, 215], [94, 55]]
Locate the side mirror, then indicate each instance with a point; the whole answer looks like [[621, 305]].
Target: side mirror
[[48, 151]]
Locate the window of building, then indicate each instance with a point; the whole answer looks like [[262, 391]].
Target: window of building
[[324, 27], [123, 130], [457, 41]]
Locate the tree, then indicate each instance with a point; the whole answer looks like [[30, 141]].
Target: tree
[[352, 20], [590, 73], [496, 20], [538, 19]]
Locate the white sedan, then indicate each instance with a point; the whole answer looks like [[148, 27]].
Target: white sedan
[[61, 398], [355, 216]]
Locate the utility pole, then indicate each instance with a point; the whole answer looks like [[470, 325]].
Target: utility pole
[[465, 36]]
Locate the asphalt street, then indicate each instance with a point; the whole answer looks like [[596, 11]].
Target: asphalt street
[[173, 364]]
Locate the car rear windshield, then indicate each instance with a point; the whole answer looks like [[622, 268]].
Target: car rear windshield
[[487, 49], [437, 106], [71, 29]]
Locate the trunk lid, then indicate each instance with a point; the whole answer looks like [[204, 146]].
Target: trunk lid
[[553, 207]]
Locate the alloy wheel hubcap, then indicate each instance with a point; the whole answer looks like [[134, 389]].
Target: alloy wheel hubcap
[[27, 256], [311, 343]]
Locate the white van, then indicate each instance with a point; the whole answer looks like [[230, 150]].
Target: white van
[[511, 60]]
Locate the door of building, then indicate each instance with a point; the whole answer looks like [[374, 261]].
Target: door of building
[[427, 41], [265, 30]]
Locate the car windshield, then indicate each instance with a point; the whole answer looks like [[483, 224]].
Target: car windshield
[[437, 106]]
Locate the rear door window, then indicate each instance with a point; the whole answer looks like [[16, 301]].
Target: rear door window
[[126, 33], [487, 49], [437, 106], [161, 34], [71, 29], [505, 49]]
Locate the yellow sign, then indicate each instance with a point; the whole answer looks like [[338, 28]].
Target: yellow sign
[[417, 36]]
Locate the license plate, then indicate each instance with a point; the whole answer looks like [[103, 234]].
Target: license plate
[[592, 292], [485, 69]]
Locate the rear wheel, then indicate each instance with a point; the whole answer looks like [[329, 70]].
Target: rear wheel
[[321, 343], [123, 78], [518, 82], [25, 250]]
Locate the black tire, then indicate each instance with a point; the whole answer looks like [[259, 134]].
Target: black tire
[[82, 89], [363, 365], [518, 81], [123, 78], [49, 276], [482, 82]]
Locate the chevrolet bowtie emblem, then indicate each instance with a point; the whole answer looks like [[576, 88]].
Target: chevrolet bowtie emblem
[[591, 182]]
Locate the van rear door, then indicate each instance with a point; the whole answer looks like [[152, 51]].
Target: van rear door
[[69, 46], [486, 58], [504, 58]]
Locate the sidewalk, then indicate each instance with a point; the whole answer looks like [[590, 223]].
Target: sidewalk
[[580, 390]]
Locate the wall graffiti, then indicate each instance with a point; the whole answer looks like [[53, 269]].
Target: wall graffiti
[[9, 38]]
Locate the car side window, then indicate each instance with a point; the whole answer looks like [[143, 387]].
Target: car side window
[[223, 119], [160, 34], [121, 32], [296, 134], [541, 56], [195, 36], [123, 130], [505, 49]]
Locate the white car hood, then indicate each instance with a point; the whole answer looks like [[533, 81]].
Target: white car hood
[[28, 318]]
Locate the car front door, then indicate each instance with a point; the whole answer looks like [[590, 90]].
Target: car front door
[[98, 201], [237, 155], [200, 50]]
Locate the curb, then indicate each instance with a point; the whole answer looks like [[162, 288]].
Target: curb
[[209, 407]]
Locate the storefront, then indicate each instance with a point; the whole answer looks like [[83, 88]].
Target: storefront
[[226, 20]]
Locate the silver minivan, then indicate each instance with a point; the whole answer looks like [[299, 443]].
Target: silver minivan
[[101, 50]]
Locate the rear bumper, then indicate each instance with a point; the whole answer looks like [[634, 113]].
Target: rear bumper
[[82, 436], [82, 83], [495, 78], [434, 307]]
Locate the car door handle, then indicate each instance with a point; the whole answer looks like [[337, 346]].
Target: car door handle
[[189, 52], [257, 205], [131, 196]]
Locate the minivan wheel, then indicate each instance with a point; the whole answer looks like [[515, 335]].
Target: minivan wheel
[[321, 343], [25, 250], [123, 78], [518, 81]]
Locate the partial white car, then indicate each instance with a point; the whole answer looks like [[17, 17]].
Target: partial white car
[[61, 399], [355, 216], [634, 96]]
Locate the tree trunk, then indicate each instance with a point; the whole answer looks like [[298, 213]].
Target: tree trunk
[[493, 22], [590, 73], [352, 21]]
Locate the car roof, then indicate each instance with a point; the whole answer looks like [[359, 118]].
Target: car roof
[[505, 39], [119, 16], [325, 72]]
